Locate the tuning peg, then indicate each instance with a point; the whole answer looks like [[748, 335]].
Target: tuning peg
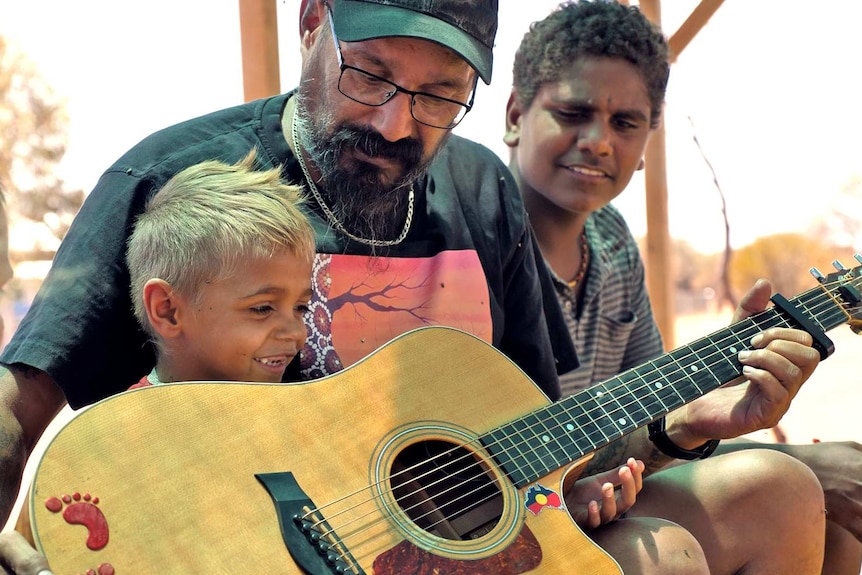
[[817, 275], [838, 266]]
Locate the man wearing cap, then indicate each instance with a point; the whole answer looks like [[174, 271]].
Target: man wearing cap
[[414, 226]]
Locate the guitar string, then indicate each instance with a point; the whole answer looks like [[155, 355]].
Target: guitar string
[[472, 504], [622, 406], [854, 322], [777, 319], [474, 463], [345, 537], [473, 443], [708, 365]]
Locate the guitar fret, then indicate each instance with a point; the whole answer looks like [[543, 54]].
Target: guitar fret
[[692, 365], [835, 316], [725, 365], [524, 447], [661, 384], [769, 319], [704, 350], [507, 452], [681, 378], [636, 414], [570, 430], [804, 305], [595, 419], [615, 414], [528, 449], [543, 440], [651, 400]]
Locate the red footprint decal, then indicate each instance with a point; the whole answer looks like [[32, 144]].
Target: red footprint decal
[[82, 510]]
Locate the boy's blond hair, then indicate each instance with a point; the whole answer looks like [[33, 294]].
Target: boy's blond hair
[[209, 218]]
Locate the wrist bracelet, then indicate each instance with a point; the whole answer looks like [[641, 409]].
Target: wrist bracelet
[[658, 435]]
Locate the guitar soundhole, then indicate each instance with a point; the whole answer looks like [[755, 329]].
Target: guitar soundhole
[[446, 490]]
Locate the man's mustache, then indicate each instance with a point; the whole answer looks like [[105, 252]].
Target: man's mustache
[[407, 151]]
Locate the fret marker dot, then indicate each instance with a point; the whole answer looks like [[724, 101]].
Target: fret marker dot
[[621, 421], [599, 394], [659, 384], [570, 427], [694, 368], [545, 438], [733, 349]]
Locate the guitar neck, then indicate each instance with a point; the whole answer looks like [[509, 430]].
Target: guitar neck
[[565, 431]]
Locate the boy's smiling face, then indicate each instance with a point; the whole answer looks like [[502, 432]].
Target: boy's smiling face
[[584, 136], [247, 327]]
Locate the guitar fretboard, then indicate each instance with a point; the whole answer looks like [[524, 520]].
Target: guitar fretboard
[[565, 431]]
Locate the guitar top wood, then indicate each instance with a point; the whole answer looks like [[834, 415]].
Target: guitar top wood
[[162, 479]]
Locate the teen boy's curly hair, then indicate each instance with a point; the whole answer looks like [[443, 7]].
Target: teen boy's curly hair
[[594, 28]]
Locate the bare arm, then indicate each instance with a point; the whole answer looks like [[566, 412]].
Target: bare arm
[[29, 400], [636, 444]]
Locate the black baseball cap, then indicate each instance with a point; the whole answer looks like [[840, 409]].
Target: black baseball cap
[[467, 27]]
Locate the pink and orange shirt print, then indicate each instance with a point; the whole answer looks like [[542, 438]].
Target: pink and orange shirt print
[[362, 302]]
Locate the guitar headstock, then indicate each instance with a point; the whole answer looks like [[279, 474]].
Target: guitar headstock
[[845, 287]]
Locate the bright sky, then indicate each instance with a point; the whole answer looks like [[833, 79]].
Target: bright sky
[[770, 87]]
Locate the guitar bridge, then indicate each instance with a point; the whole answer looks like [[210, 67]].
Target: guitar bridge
[[311, 542]]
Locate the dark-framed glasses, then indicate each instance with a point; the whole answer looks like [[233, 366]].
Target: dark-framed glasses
[[371, 90]]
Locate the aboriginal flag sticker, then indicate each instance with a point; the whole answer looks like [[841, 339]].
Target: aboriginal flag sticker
[[539, 497]]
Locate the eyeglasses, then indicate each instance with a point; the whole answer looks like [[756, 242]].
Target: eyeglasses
[[371, 90]]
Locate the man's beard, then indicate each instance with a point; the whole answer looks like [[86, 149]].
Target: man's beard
[[358, 193]]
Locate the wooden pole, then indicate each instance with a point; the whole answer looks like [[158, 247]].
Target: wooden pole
[[259, 35], [658, 257], [659, 261]]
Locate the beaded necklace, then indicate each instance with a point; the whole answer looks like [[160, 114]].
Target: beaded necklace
[[585, 260]]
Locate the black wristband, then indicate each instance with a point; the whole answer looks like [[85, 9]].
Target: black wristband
[[658, 436]]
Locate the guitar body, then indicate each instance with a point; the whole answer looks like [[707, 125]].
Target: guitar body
[[435, 455], [163, 479]]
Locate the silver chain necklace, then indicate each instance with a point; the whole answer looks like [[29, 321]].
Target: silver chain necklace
[[331, 216]]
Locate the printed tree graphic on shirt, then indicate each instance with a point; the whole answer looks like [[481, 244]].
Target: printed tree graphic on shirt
[[361, 302]]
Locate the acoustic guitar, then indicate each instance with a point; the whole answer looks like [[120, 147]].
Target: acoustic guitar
[[434, 455]]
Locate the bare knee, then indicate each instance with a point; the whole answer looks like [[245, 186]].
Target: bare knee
[[733, 505], [764, 473], [646, 546], [785, 492]]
